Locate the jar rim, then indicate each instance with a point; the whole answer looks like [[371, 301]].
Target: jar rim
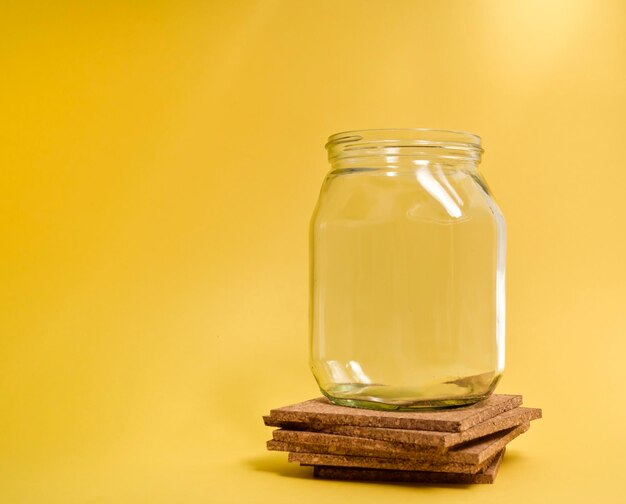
[[455, 144]]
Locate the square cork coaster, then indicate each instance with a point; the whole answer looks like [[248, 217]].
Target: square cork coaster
[[487, 475], [365, 462], [343, 450], [436, 440], [319, 413]]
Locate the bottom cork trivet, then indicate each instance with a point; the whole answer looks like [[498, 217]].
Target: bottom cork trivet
[[485, 476]]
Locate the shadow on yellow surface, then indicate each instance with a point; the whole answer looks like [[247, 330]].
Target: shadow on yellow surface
[[272, 464]]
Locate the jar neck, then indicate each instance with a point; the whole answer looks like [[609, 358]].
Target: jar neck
[[400, 163], [404, 149]]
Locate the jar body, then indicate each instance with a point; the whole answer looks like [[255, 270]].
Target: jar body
[[407, 284]]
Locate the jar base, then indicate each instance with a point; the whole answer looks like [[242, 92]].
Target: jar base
[[418, 405], [449, 394]]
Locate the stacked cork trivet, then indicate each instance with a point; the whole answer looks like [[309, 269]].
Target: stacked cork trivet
[[462, 445]]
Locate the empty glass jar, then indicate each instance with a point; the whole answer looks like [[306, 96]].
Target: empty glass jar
[[407, 272]]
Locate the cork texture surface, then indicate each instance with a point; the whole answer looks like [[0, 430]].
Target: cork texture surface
[[320, 413], [321, 459], [487, 475], [474, 452], [436, 440]]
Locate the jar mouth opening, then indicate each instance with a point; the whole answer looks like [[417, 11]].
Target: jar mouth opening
[[417, 142]]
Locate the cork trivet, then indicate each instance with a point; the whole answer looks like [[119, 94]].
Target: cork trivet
[[321, 459], [486, 475], [435, 439], [321, 412], [474, 452]]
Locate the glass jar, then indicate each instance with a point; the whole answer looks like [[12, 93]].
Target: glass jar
[[407, 293]]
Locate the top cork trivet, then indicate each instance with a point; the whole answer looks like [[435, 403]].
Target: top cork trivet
[[320, 412]]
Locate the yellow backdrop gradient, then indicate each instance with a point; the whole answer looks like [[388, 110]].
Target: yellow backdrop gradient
[[160, 161]]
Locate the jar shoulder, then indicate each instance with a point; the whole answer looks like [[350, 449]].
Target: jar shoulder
[[425, 194]]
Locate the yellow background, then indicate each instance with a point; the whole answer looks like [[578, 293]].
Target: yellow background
[[160, 161]]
